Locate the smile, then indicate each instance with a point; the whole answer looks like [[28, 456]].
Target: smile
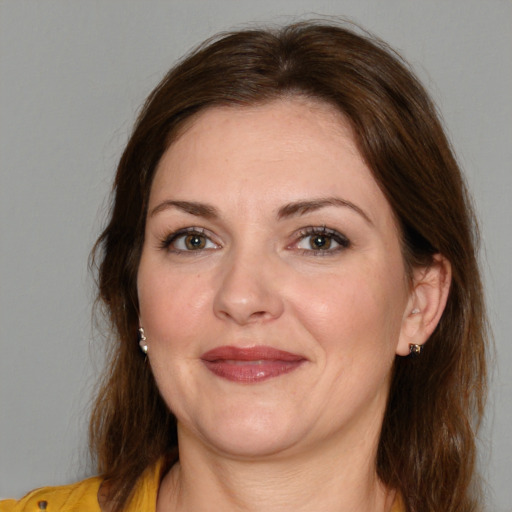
[[250, 365]]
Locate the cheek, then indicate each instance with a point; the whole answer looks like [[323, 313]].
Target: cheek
[[359, 309], [171, 305]]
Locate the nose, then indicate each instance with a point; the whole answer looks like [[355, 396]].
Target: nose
[[248, 291]]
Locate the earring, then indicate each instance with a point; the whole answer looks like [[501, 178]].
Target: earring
[[142, 341], [415, 311], [415, 350]]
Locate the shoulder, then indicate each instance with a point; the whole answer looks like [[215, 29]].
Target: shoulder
[[83, 496], [78, 497]]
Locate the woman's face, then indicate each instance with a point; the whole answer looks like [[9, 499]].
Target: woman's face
[[271, 284]]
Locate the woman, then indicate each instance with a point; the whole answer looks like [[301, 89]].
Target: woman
[[292, 244]]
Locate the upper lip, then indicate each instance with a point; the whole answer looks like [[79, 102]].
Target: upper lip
[[256, 353]]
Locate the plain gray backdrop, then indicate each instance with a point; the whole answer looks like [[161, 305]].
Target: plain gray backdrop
[[72, 76]]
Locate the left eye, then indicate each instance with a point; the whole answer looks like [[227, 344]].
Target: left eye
[[324, 240]]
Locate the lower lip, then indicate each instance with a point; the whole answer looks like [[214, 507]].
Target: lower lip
[[251, 371]]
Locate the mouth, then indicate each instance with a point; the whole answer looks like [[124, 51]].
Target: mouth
[[250, 365]]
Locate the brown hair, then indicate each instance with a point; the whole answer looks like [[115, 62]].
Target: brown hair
[[427, 444]]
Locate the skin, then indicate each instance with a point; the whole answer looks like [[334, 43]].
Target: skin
[[305, 440]]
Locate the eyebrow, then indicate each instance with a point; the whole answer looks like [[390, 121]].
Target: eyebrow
[[197, 209], [303, 207], [289, 210]]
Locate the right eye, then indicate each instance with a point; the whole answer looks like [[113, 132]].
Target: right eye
[[188, 240]]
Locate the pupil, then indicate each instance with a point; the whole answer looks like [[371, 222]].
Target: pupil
[[195, 242], [320, 242]]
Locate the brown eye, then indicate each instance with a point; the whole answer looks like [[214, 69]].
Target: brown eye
[[320, 242], [195, 241], [189, 240]]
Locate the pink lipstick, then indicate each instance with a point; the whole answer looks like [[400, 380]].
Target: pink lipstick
[[253, 364]]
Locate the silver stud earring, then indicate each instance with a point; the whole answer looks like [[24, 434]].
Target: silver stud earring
[[415, 311], [142, 341], [415, 350]]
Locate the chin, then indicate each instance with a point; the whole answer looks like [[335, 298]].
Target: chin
[[249, 435], [249, 446]]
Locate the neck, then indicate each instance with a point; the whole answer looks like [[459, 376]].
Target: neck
[[327, 479]]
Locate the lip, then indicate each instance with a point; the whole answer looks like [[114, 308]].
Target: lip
[[252, 364]]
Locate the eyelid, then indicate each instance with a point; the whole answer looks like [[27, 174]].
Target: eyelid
[[167, 241], [342, 241]]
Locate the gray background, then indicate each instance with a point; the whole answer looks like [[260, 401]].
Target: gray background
[[72, 75]]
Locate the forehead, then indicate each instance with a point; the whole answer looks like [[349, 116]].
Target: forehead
[[294, 118], [275, 152]]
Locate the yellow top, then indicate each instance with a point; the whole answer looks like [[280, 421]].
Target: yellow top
[[83, 496]]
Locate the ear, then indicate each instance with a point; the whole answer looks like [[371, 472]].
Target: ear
[[427, 300]]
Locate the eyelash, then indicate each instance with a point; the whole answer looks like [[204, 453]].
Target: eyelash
[[308, 232], [333, 235], [172, 238]]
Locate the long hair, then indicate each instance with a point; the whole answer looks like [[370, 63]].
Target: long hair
[[427, 445]]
